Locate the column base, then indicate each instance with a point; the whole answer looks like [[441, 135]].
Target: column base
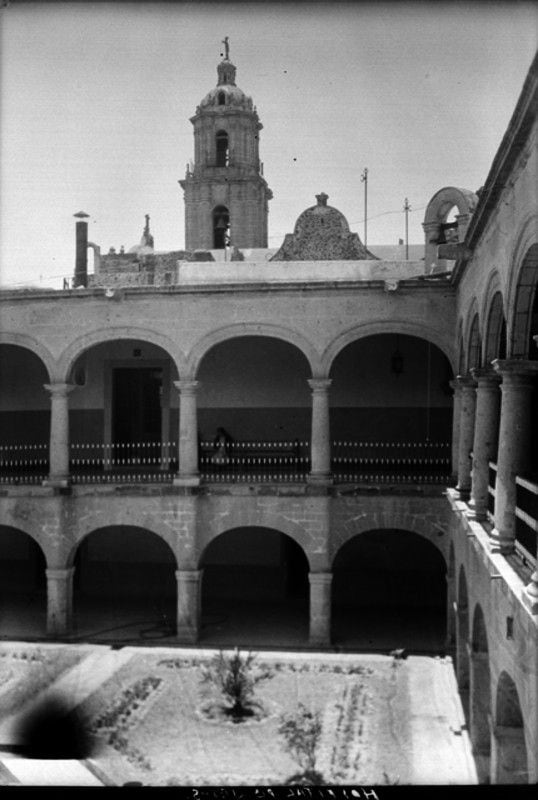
[[57, 481], [463, 493], [319, 641], [319, 479], [186, 480], [529, 595], [497, 544], [476, 512], [186, 635]]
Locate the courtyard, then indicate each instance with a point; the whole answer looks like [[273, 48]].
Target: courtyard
[[385, 719]]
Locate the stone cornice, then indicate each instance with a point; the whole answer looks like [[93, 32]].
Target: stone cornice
[[505, 159]]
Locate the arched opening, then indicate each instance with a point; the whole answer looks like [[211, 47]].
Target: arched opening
[[496, 330], [222, 146], [474, 355], [254, 589], [124, 412], [391, 408], [462, 643], [451, 601], [480, 705], [255, 388], [24, 416], [124, 585], [510, 752], [522, 344], [221, 98], [389, 592], [221, 226], [23, 586]]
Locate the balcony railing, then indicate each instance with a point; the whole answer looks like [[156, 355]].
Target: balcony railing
[[391, 462], [24, 463], [527, 518], [245, 461], [492, 480]]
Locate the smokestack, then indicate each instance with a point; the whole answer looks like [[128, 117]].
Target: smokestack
[[81, 260]]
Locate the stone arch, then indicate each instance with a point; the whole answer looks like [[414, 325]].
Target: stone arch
[[460, 349], [435, 218], [474, 344], [23, 600], [462, 641], [494, 341], [523, 295], [114, 516], [228, 332], [510, 764], [391, 326], [36, 347], [83, 343], [451, 598], [433, 528], [263, 518], [480, 696]]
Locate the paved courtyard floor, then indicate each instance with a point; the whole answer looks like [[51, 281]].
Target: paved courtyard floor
[[385, 720]]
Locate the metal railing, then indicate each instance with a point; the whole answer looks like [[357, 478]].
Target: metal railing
[[24, 463], [527, 518], [391, 462], [242, 461]]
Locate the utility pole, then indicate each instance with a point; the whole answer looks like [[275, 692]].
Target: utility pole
[[364, 179], [407, 209]]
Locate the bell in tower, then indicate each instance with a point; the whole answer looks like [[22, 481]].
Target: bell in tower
[[226, 195]]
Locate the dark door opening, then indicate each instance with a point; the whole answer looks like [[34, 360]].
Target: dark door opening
[[136, 408]]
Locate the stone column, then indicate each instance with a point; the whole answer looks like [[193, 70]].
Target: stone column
[[188, 434], [320, 608], [59, 433], [320, 442], [486, 435], [456, 413], [59, 601], [189, 586], [466, 437], [450, 641], [514, 445]]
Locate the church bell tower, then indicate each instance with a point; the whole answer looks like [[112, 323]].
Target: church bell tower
[[226, 195]]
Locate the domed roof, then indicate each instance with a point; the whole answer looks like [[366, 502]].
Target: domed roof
[[320, 215], [231, 94], [322, 233]]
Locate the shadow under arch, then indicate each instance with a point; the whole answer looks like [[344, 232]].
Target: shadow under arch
[[255, 589], [389, 592], [124, 585], [480, 697], [23, 585], [36, 347], [509, 757], [391, 327], [243, 329], [106, 335]]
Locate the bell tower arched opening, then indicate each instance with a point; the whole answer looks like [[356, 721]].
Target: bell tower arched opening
[[222, 147], [221, 226]]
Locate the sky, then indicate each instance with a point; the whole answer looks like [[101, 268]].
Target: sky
[[96, 100]]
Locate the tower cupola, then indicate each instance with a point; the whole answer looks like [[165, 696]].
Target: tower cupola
[[226, 195]]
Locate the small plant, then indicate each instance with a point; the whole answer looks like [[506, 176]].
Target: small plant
[[301, 732], [235, 677]]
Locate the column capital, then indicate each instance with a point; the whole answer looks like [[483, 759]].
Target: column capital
[[465, 382], [486, 377], [319, 385], [187, 387], [191, 575], [516, 370], [455, 385], [59, 389]]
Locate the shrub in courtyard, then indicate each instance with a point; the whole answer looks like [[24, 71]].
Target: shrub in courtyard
[[235, 677], [301, 733]]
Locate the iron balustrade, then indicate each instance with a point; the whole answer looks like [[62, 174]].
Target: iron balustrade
[[391, 462], [24, 463], [245, 461], [492, 480], [527, 517], [255, 461]]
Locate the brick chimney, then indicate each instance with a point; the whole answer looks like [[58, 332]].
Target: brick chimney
[[81, 259]]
